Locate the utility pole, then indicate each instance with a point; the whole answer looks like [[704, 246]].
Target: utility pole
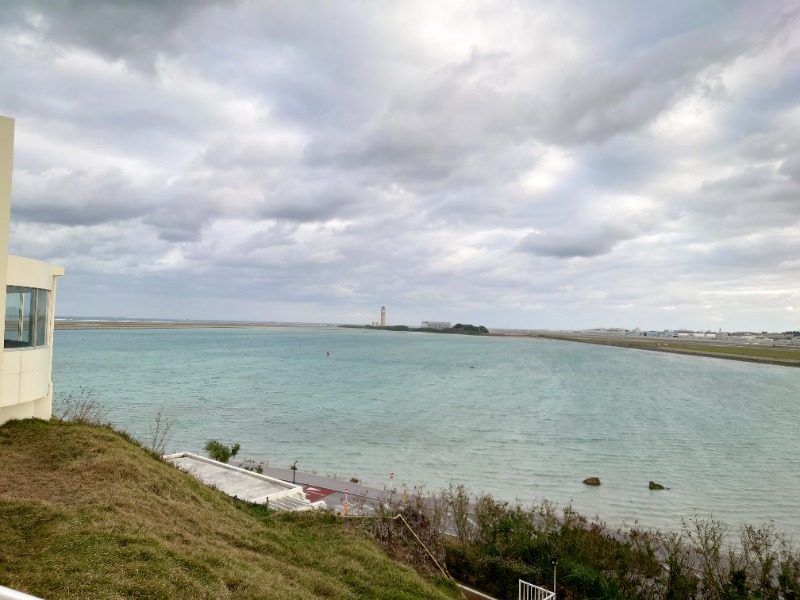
[[555, 565]]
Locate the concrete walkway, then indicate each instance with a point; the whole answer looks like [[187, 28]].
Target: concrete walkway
[[231, 480], [243, 484], [361, 499]]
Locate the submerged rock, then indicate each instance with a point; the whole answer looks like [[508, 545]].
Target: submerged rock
[[657, 486], [592, 481]]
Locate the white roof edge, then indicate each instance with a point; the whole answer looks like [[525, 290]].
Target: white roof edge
[[273, 480]]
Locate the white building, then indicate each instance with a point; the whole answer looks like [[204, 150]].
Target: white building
[[28, 309], [436, 324]]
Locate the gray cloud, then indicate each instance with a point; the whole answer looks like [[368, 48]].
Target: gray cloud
[[133, 31], [578, 240], [320, 199], [449, 128], [78, 197], [791, 167], [594, 103], [748, 179]]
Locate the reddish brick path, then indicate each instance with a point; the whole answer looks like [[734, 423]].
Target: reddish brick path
[[314, 493]]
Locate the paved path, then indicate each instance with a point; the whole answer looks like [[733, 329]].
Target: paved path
[[361, 499], [234, 482]]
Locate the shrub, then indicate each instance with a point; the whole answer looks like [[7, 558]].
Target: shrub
[[220, 452], [157, 434], [80, 407], [499, 542]]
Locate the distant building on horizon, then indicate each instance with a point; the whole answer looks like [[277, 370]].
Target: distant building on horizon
[[27, 309], [436, 324], [383, 316]]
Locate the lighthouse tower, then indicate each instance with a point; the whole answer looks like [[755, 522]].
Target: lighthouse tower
[[383, 316]]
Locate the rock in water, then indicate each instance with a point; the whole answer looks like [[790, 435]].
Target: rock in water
[[656, 486], [592, 481]]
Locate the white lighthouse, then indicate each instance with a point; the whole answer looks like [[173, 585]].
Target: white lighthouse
[[383, 316]]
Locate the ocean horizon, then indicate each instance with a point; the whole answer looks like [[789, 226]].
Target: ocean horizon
[[521, 418]]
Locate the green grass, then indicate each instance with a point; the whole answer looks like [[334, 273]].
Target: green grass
[[746, 352], [87, 513], [743, 351]]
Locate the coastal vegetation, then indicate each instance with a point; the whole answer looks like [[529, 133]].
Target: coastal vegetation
[[81, 406], [490, 544], [458, 328], [87, 512]]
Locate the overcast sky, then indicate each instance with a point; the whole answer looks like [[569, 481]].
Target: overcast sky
[[512, 164]]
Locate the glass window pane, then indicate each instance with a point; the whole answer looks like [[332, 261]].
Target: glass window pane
[[11, 335], [19, 317], [28, 317], [41, 317]]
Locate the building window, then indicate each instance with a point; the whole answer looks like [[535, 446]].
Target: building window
[[26, 317]]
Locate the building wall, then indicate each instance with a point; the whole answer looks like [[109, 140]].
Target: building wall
[[26, 389], [6, 167], [25, 386], [436, 324]]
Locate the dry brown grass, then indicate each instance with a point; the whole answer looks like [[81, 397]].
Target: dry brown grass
[[87, 513]]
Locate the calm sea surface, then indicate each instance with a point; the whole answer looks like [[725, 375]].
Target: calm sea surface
[[520, 418]]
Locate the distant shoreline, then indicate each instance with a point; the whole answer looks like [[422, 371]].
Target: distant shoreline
[[110, 324], [757, 354]]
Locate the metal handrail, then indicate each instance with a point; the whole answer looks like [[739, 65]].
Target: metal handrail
[[528, 591], [9, 594]]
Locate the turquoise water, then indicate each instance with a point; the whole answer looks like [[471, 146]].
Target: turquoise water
[[520, 418]]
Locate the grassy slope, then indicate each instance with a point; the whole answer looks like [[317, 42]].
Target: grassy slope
[[784, 356], [85, 513]]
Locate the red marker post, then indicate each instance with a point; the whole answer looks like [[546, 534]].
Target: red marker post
[[346, 491]]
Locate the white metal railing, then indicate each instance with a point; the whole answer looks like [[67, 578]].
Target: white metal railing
[[528, 591], [9, 594]]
